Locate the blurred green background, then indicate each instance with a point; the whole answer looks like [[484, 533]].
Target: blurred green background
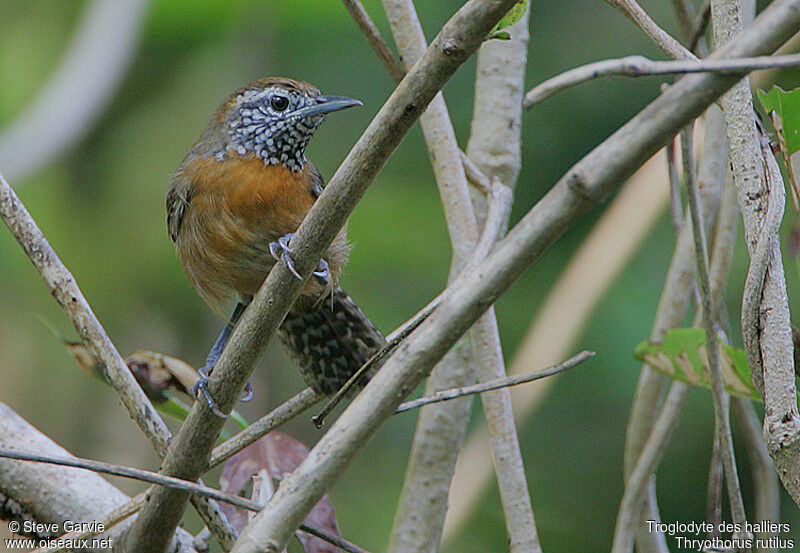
[[101, 205]]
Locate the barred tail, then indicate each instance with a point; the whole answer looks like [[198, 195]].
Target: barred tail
[[330, 340]]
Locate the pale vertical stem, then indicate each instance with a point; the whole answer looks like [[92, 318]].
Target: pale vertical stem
[[440, 428], [495, 144], [408, 534]]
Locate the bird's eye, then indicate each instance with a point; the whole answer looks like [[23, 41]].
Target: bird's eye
[[279, 103]]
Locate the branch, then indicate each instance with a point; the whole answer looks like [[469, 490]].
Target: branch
[[665, 41], [55, 495], [373, 36], [630, 506], [187, 457], [585, 185], [499, 198], [396, 72], [504, 382], [765, 481], [670, 312], [441, 430], [640, 66]]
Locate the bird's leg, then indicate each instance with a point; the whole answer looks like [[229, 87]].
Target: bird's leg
[[280, 250], [213, 356]]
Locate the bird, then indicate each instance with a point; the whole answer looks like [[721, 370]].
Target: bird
[[233, 205]]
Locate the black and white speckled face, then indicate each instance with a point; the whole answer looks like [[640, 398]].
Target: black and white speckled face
[[273, 124]]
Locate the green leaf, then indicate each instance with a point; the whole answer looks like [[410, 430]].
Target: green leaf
[[787, 105], [513, 15], [683, 356]]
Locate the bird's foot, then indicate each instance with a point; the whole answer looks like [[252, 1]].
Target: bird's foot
[[202, 386], [247, 393], [322, 272], [280, 250]]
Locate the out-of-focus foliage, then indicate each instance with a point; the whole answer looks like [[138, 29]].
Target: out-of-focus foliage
[[102, 207], [682, 354]]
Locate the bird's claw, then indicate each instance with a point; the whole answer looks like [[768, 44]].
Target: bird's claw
[[280, 250], [323, 272], [202, 386], [247, 393]]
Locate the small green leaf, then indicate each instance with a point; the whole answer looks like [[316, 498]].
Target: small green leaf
[[787, 105], [682, 355], [513, 15]]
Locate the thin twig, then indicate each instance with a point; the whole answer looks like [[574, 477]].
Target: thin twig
[[679, 286], [719, 395], [676, 209], [256, 430], [495, 384], [714, 490], [665, 41], [130, 472], [558, 323], [640, 66], [585, 185], [373, 36], [169, 482], [766, 487]]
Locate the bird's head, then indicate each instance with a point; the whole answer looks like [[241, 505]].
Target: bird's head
[[274, 118]]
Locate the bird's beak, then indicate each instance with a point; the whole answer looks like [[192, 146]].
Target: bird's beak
[[326, 104]]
